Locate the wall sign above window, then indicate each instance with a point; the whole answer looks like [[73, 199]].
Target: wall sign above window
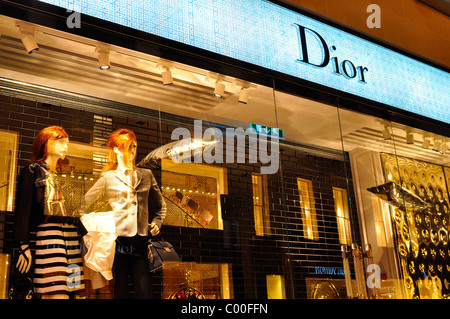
[[270, 36]]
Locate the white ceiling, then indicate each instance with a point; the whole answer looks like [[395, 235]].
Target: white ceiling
[[69, 63]]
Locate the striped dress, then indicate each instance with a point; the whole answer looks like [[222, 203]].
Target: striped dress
[[58, 262]]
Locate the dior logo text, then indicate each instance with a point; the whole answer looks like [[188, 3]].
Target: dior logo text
[[339, 66]]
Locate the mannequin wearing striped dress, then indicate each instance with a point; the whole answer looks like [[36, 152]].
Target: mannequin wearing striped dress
[[57, 264]]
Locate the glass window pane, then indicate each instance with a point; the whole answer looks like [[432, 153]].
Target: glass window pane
[[400, 186]]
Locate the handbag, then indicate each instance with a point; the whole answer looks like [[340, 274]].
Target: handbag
[[21, 283], [22, 288], [158, 252]]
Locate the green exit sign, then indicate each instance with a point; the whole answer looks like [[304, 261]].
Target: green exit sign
[[266, 130]]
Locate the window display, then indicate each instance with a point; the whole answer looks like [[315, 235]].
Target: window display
[[57, 265], [192, 193], [255, 211], [197, 281], [135, 199], [421, 227]]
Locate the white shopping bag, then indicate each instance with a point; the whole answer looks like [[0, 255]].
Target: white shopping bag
[[100, 242]]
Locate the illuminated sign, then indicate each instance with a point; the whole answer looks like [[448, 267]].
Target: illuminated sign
[[270, 36], [268, 131], [346, 67], [329, 271]]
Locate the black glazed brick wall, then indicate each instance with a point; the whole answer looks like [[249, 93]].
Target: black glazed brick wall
[[251, 256]]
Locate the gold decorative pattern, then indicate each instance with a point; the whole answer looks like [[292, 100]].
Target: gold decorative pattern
[[422, 235]]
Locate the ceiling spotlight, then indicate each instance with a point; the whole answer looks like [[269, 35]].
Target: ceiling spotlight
[[437, 146], [386, 133], [30, 43], [426, 143], [167, 77], [27, 32], [409, 138], [219, 89], [244, 95], [166, 74], [103, 58]]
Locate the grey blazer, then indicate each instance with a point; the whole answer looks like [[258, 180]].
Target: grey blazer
[[133, 206]]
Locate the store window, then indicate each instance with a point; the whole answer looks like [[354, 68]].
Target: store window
[[261, 204], [308, 209], [400, 183], [325, 164], [342, 215]]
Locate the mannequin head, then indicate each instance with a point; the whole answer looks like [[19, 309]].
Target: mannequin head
[[50, 141], [122, 148]]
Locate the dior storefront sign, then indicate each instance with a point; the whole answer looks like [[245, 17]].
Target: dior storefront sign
[[340, 66]]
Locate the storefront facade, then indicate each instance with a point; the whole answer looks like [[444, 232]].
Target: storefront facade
[[336, 123]]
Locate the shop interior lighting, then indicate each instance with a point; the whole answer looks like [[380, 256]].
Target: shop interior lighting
[[437, 146], [426, 143], [244, 95], [27, 34], [30, 43], [166, 74], [167, 77], [219, 89], [244, 92], [409, 138], [386, 133], [103, 58]]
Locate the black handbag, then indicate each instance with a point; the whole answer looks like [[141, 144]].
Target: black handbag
[[22, 288], [158, 252], [21, 283]]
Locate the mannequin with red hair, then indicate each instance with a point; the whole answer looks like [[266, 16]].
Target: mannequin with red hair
[[57, 249], [133, 195]]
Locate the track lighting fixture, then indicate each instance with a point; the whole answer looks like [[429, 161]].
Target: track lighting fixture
[[27, 33], [244, 92], [244, 95], [386, 133], [426, 143], [219, 89], [30, 43], [409, 138], [437, 145], [166, 75], [103, 58]]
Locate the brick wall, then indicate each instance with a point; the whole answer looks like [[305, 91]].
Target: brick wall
[[251, 256]]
